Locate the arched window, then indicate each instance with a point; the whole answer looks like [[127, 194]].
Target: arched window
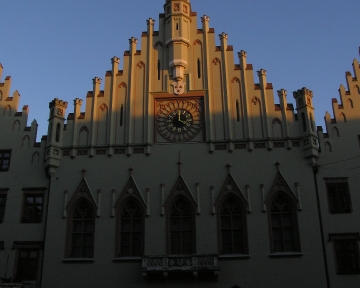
[[81, 228], [342, 118], [327, 146], [131, 235], [181, 227], [232, 227], [284, 232]]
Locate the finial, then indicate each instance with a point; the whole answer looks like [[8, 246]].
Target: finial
[[282, 92], [242, 53], [133, 40], [223, 35], [131, 171], [150, 21], [277, 164], [205, 18], [83, 171], [261, 72], [228, 166]]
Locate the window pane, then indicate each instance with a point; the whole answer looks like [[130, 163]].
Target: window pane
[[125, 238], [283, 221], [82, 244]]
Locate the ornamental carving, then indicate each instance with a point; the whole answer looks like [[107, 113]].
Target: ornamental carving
[[60, 112], [178, 87]]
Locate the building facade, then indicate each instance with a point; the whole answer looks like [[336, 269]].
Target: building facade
[[182, 171]]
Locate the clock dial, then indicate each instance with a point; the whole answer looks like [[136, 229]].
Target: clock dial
[[179, 120]]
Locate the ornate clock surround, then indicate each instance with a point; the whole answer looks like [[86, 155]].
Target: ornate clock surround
[[174, 126]]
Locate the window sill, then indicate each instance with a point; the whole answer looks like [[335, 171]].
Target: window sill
[[127, 259], [78, 260], [234, 256], [285, 254]]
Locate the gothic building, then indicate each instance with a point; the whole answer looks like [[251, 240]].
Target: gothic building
[[184, 171]]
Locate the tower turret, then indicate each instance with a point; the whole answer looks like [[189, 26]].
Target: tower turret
[[307, 125], [55, 134], [177, 35]]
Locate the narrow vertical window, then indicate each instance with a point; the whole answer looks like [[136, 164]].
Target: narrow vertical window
[[82, 231], [121, 114], [4, 160], [177, 26], [233, 235], [158, 70], [131, 230], [312, 123], [2, 207], [303, 121], [237, 111], [57, 135], [181, 228], [199, 68], [283, 224]]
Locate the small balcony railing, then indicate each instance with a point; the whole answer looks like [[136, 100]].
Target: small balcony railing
[[180, 263]]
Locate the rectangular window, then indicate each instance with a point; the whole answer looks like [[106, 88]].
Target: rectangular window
[[2, 207], [338, 195], [27, 259], [4, 160], [346, 250], [32, 208]]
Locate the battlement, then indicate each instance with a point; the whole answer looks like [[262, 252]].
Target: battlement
[[302, 92], [57, 102]]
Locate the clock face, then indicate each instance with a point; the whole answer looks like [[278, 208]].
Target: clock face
[[179, 120]]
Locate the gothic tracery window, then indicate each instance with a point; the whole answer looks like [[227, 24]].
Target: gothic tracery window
[[233, 235], [283, 225], [131, 233], [82, 224], [182, 227]]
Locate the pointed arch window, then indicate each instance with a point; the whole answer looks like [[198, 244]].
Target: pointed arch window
[[81, 228], [131, 232], [181, 225], [232, 230], [284, 231]]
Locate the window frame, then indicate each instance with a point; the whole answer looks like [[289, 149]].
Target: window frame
[[2, 158], [332, 182], [119, 230], [244, 236], [192, 228], [3, 207], [342, 237], [294, 222], [27, 246], [70, 226], [32, 194]]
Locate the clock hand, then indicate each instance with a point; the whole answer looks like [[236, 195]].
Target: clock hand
[[179, 115]]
